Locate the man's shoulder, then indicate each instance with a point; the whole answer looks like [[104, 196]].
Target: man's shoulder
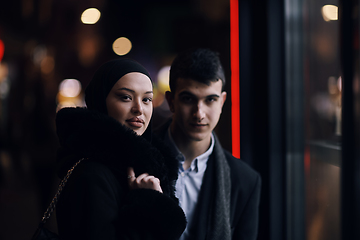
[[239, 169], [238, 163]]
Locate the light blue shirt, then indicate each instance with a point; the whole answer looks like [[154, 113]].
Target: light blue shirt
[[189, 181]]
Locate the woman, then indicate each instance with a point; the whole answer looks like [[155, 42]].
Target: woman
[[124, 189]]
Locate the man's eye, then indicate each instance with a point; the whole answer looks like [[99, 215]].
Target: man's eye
[[186, 99], [211, 99]]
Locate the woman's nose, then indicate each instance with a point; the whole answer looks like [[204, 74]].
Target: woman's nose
[[137, 108]]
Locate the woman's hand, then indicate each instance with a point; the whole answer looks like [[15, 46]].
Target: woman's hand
[[143, 181]]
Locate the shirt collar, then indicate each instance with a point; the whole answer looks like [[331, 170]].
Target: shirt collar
[[200, 162]]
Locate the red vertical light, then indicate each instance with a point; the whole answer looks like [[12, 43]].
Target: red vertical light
[[235, 77], [2, 49]]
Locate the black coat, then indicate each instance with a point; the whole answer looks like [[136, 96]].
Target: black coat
[[228, 203], [96, 203]]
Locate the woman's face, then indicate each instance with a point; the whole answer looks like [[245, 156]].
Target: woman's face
[[130, 101]]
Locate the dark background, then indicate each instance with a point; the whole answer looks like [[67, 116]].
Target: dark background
[[33, 30]]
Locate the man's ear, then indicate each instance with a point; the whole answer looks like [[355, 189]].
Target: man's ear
[[169, 98], [223, 98]]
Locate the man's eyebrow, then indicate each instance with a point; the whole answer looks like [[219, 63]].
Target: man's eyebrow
[[193, 95], [186, 93], [213, 96], [130, 90]]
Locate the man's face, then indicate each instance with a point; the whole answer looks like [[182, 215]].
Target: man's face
[[196, 108]]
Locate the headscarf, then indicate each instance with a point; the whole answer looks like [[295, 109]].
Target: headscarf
[[103, 81]]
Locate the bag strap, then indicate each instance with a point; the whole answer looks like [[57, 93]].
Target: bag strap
[[52, 205]]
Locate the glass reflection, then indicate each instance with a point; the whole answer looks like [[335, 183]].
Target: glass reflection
[[322, 75]]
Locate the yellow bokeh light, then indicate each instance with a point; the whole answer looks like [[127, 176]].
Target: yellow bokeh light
[[163, 79], [4, 71], [329, 12], [90, 16], [122, 46], [65, 104], [70, 88]]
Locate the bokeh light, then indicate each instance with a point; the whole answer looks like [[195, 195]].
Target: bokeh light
[[332, 85], [90, 16], [70, 88], [122, 46], [65, 104], [4, 81], [339, 83], [47, 64], [163, 79], [329, 12], [39, 53], [4, 89], [4, 71]]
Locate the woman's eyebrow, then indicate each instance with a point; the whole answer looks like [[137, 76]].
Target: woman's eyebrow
[[130, 90], [126, 89]]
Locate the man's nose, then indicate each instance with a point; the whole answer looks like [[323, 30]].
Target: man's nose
[[199, 113]]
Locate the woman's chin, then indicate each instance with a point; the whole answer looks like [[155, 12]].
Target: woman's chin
[[138, 131]]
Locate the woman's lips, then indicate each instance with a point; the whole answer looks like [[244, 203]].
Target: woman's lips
[[135, 122]]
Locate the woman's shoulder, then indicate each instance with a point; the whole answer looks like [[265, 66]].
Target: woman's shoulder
[[92, 171], [94, 167]]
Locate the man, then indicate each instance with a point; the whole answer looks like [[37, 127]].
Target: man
[[219, 193]]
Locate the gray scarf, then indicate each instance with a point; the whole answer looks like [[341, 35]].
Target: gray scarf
[[213, 209], [220, 227]]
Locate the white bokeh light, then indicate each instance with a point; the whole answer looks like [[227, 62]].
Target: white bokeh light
[[330, 13], [70, 88], [90, 16]]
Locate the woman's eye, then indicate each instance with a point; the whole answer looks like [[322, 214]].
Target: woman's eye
[[125, 97], [147, 100]]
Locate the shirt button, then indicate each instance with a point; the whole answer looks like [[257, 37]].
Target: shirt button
[[182, 174]]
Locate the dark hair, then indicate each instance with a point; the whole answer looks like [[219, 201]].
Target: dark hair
[[202, 65]]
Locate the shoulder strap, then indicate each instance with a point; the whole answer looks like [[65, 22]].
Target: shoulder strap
[[52, 205]]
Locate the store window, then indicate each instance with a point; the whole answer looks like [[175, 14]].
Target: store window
[[322, 119]]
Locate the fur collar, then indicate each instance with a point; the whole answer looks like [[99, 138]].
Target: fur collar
[[87, 133]]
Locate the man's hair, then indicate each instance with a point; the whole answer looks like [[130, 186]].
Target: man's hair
[[198, 64]]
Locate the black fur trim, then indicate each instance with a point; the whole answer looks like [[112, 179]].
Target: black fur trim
[[90, 134]]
